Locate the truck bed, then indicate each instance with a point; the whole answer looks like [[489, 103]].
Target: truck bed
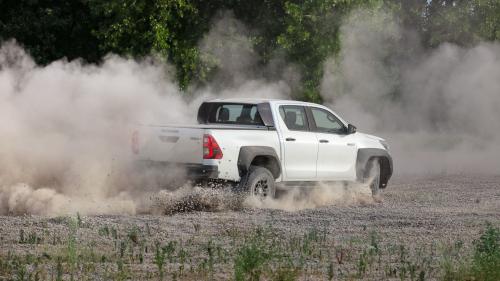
[[177, 143]]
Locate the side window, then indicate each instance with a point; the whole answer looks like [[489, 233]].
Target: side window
[[294, 117], [326, 122]]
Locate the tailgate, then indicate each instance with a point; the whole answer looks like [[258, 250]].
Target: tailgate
[[171, 144]]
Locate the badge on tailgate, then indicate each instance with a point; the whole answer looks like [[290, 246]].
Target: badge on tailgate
[[168, 138]]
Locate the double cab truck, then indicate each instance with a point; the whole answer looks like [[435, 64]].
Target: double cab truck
[[256, 143]]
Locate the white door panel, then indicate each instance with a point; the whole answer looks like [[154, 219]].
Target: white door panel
[[300, 146], [301, 151], [337, 150], [336, 157]]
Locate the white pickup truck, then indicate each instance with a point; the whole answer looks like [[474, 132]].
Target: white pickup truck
[[256, 143]]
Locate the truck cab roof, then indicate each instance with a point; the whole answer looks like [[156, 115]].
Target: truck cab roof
[[244, 100], [259, 100]]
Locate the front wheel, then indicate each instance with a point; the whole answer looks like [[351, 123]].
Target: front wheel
[[374, 177], [258, 182]]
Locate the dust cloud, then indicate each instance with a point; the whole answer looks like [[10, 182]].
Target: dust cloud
[[66, 127], [190, 198], [438, 109], [215, 198], [227, 50], [320, 195]]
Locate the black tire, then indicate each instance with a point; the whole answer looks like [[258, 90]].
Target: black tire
[[258, 182], [374, 177]]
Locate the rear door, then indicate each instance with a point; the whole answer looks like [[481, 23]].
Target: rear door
[[337, 150], [300, 146]]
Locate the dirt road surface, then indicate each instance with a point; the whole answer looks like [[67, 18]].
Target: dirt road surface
[[419, 222]]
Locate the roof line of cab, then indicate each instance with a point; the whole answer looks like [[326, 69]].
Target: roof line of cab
[[262, 100]]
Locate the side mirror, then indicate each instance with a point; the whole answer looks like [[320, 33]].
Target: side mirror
[[351, 129]]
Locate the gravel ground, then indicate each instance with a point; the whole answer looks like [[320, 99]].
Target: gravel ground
[[418, 212]]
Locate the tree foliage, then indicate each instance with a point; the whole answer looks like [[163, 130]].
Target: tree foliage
[[50, 30], [170, 28], [305, 33]]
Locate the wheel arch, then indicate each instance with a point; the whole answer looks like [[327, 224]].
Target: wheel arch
[[262, 156], [365, 156]]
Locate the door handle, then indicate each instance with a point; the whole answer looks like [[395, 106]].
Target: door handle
[[351, 144], [290, 139], [323, 141]]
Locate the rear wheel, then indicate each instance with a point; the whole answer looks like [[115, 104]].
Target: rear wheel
[[258, 182]]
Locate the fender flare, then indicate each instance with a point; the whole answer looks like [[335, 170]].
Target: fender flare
[[249, 153], [386, 165]]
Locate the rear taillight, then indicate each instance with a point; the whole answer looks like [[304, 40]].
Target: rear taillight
[[135, 142], [211, 149]]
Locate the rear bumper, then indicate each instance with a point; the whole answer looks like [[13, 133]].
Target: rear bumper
[[202, 171], [189, 171]]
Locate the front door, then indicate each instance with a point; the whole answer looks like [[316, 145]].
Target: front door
[[337, 150]]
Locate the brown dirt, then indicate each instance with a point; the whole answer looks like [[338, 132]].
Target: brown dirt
[[414, 211]]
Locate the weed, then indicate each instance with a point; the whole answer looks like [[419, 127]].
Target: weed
[[104, 231], [21, 236], [374, 242], [31, 238], [122, 274], [402, 272], [182, 255], [339, 254], [114, 233], [486, 259], [250, 260], [362, 263], [59, 220], [133, 235], [402, 254], [485, 262], [196, 227], [78, 220], [421, 276], [210, 252], [262, 254], [123, 247], [59, 269], [71, 253], [159, 259], [331, 271], [452, 272], [285, 274]]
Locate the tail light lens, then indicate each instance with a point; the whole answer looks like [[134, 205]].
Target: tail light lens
[[211, 149], [135, 142]]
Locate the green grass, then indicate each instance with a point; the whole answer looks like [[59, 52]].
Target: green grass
[[263, 253], [252, 259], [483, 265], [486, 261]]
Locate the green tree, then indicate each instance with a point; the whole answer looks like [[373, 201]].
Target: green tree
[[139, 27], [487, 19], [50, 30], [311, 35], [304, 33], [449, 21]]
